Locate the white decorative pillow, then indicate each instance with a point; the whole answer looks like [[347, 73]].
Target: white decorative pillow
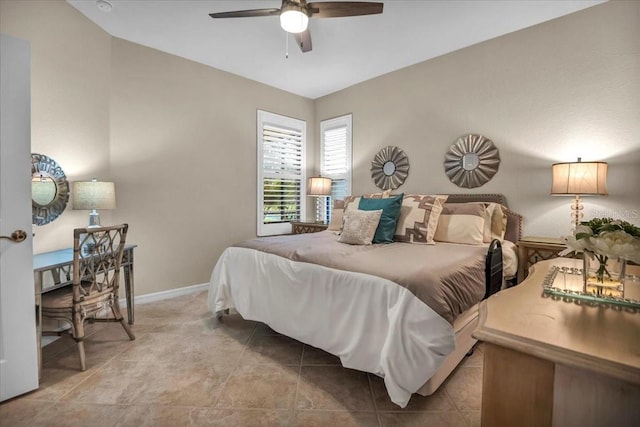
[[462, 223], [418, 218], [359, 226]]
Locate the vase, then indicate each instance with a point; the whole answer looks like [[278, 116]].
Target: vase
[[603, 276]]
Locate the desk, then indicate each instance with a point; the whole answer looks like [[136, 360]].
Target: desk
[[58, 264], [554, 363]]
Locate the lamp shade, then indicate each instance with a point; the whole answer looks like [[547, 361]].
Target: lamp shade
[[319, 186], [293, 19], [88, 195], [579, 178]]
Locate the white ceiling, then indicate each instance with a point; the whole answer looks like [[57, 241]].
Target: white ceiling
[[345, 51]]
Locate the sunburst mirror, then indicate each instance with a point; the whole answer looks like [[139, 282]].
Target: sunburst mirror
[[49, 189], [390, 167], [471, 161]]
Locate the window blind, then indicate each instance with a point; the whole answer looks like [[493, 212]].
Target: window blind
[[335, 161], [281, 143]]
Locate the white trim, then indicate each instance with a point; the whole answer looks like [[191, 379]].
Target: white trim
[[162, 295], [297, 125]]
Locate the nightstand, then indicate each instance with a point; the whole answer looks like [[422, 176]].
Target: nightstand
[[307, 227], [534, 249]]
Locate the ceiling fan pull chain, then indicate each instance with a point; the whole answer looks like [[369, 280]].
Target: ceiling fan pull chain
[[286, 45]]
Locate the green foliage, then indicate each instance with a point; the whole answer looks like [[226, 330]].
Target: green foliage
[[600, 225]]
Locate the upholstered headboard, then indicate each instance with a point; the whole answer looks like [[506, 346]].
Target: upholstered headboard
[[514, 220]]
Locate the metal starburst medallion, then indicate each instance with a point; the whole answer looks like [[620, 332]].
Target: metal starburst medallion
[[390, 167], [471, 161]]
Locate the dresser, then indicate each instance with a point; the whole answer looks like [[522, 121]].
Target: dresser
[[548, 362]]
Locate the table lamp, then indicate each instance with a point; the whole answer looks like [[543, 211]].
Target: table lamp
[[579, 179], [318, 186], [93, 195]]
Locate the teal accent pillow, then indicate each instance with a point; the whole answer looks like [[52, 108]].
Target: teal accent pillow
[[390, 212]]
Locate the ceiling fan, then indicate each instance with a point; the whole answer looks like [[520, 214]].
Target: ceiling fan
[[294, 15]]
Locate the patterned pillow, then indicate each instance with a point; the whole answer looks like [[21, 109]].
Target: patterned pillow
[[359, 227], [419, 218], [462, 223], [495, 220]]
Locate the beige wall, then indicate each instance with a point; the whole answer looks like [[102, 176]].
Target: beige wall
[[550, 93], [183, 148], [178, 138]]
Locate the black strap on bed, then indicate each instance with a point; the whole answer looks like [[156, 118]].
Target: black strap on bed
[[493, 268]]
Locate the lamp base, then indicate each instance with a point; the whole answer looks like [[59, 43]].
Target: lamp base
[[576, 212], [94, 219]]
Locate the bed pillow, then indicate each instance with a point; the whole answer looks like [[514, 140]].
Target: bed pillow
[[359, 227], [340, 206], [462, 223], [495, 220], [419, 218], [498, 221], [389, 218], [336, 216]]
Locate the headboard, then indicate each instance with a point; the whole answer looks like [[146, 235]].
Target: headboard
[[514, 220]]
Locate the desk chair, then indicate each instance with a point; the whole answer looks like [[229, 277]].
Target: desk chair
[[93, 297]]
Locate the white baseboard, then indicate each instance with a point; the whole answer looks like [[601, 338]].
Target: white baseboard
[[162, 295]]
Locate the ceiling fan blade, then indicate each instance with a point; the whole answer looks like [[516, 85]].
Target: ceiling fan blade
[[304, 40], [337, 9], [246, 13]]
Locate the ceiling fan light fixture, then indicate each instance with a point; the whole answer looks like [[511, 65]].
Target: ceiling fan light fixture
[[293, 19]]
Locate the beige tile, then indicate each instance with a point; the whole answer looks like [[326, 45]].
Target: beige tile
[[464, 387], [472, 418], [263, 329], [268, 349], [187, 368], [159, 416], [476, 359], [316, 356], [260, 386], [248, 417], [98, 348], [57, 380], [333, 387], [438, 401], [421, 419], [335, 418], [124, 382], [169, 348], [71, 414], [21, 412]]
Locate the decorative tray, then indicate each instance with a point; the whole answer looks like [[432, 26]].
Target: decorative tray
[[567, 284]]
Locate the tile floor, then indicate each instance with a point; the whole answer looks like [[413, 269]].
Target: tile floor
[[184, 368]]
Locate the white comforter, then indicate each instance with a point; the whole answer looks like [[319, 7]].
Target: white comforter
[[372, 324]]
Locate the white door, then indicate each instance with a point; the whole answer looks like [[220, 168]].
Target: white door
[[18, 351]]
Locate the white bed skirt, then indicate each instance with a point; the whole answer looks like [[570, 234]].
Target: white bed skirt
[[370, 323]]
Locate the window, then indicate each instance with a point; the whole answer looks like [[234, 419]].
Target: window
[[281, 166], [335, 158]]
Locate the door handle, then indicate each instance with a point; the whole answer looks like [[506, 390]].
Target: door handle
[[17, 236]]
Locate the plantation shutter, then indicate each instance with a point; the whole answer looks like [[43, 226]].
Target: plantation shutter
[[336, 160], [281, 143]]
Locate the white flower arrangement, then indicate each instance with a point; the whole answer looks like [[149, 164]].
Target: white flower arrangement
[[606, 238]]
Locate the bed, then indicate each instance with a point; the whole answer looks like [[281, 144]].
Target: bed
[[367, 304]]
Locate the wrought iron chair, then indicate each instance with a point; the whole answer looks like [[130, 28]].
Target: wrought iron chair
[[93, 297]]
